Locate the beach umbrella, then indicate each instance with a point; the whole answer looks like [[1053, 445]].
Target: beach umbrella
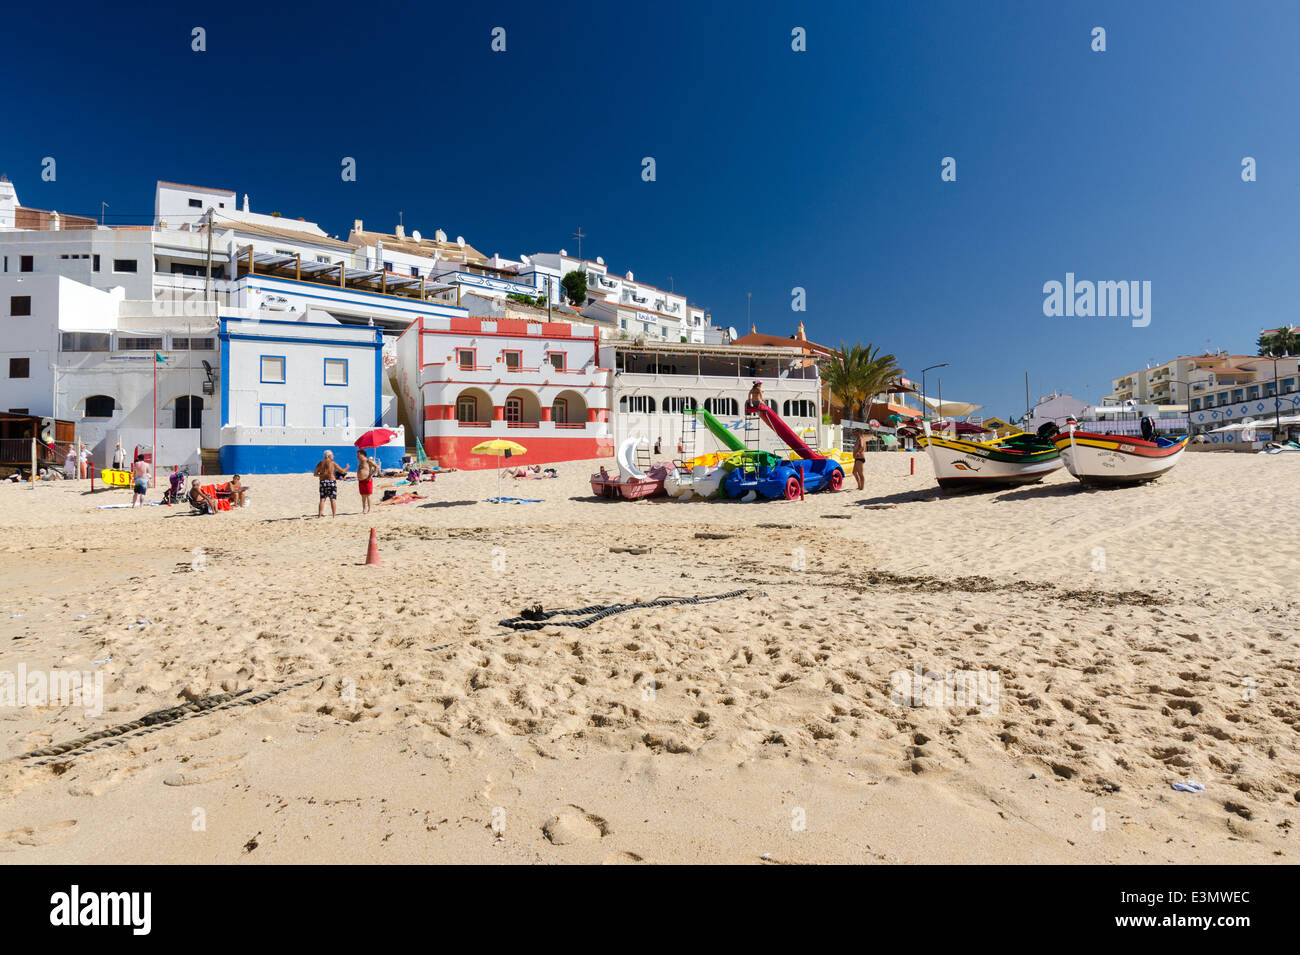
[[375, 438], [501, 448]]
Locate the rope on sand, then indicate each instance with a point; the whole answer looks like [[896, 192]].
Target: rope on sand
[[157, 720], [536, 618]]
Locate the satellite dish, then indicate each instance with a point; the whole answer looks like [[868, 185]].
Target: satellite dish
[[460, 241], [415, 234], [599, 260], [732, 334], [564, 252], [526, 260]]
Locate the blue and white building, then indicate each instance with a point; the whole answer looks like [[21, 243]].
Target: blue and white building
[[290, 390]]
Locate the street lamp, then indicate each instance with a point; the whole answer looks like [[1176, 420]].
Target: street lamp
[[923, 394]]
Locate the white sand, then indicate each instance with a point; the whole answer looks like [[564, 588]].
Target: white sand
[[770, 731]]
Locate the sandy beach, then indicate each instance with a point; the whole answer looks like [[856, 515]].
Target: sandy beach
[[1130, 639]]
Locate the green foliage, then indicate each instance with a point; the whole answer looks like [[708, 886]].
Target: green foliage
[[857, 373], [575, 287], [1282, 343]]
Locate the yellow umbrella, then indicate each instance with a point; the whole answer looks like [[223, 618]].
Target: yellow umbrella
[[502, 449]]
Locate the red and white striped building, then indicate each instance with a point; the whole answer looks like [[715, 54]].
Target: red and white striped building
[[463, 381]]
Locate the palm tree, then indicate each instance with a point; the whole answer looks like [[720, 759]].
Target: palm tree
[[1281, 343], [857, 373]]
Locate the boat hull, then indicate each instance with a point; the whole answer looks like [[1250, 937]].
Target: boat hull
[[1109, 460], [972, 465]]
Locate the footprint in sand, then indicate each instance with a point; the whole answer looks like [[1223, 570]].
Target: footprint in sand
[[573, 824], [15, 839], [194, 774]]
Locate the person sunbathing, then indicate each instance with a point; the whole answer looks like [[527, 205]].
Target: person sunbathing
[[233, 491], [201, 500]]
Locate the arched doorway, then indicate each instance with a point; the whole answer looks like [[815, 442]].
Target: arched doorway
[[188, 412]]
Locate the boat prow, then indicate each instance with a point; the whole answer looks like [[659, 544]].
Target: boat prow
[[961, 465], [1116, 460]]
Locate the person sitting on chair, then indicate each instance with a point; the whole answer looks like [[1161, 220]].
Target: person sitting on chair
[[201, 500]]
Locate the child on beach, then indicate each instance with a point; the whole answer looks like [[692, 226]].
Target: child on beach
[[860, 459]]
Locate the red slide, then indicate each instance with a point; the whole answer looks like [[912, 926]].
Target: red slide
[[783, 431]]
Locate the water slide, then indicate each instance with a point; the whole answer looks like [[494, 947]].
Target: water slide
[[785, 433], [627, 469], [720, 431]]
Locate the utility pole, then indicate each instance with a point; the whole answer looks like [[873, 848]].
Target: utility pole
[[670, 285], [1027, 408], [579, 236], [102, 207], [207, 282]]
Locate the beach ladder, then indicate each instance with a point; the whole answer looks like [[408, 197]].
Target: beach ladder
[[686, 434], [753, 431], [643, 457]]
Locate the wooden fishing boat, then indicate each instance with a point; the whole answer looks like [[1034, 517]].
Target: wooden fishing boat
[[1109, 460], [961, 465]]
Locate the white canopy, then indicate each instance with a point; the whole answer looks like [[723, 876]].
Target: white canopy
[[950, 409]]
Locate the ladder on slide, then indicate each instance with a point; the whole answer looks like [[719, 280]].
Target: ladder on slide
[[686, 434], [643, 458], [753, 431]]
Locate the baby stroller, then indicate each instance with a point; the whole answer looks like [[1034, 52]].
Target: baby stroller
[[176, 490]]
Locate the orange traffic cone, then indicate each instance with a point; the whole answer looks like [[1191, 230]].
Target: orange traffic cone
[[372, 552]]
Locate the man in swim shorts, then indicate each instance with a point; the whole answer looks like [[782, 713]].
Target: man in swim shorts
[[365, 479], [328, 472], [140, 482]]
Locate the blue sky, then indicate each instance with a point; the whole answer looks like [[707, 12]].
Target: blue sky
[[775, 169]]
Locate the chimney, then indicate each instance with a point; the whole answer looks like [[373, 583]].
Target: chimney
[[400, 232], [54, 222], [356, 226], [245, 202]]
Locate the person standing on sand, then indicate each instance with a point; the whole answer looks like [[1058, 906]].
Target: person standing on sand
[[119, 457], [70, 464], [365, 479], [140, 481], [328, 472], [860, 459]]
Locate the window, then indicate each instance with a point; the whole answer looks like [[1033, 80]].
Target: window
[[560, 411], [20, 305], [272, 416], [194, 344], [20, 367], [95, 263], [1254, 391], [25, 263], [1237, 394], [798, 408], [556, 358], [642, 404], [1196, 404], [336, 416], [1288, 385], [336, 371], [388, 266], [272, 369], [189, 412], [139, 344], [19, 411], [513, 360], [1270, 390], [465, 358], [679, 404], [467, 408], [415, 271], [514, 410], [323, 259], [100, 406], [85, 341], [196, 204], [124, 265], [722, 406]]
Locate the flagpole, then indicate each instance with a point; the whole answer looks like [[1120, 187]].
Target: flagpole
[[153, 449]]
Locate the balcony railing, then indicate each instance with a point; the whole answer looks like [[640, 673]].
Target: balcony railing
[[522, 424], [474, 424]]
